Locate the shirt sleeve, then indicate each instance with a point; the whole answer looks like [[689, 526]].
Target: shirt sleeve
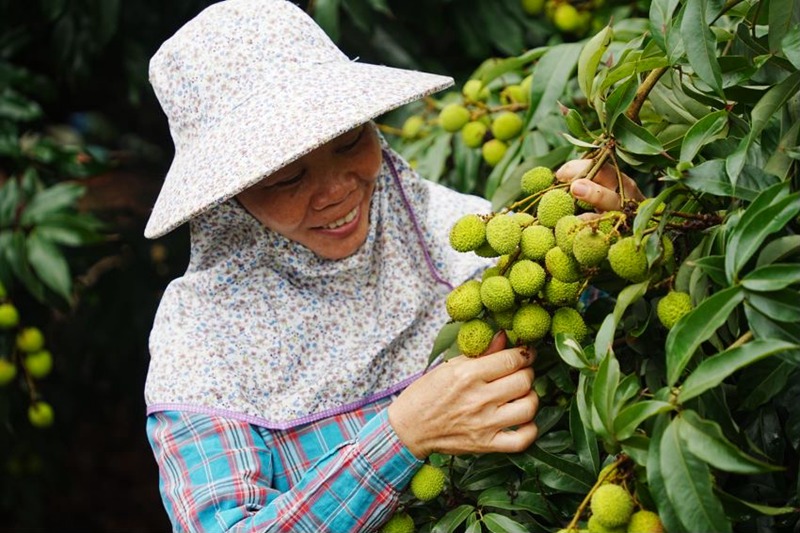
[[216, 475]]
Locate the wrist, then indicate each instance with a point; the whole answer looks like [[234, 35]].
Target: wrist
[[405, 431]]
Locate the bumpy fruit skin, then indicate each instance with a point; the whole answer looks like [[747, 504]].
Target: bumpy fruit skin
[[412, 126], [531, 322], [40, 414], [504, 319], [524, 219], [554, 205], [607, 473], [39, 364], [473, 133], [485, 250], [30, 340], [569, 320], [427, 483], [527, 278], [565, 231], [468, 233], [453, 117], [9, 316], [536, 241], [399, 523], [464, 302], [590, 247], [627, 260], [645, 522], [562, 266], [475, 91], [506, 125], [503, 233], [8, 372], [557, 292], [474, 337], [497, 294], [595, 526], [536, 180], [612, 505], [672, 307], [493, 151]]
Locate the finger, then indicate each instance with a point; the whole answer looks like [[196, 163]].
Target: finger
[[516, 440], [502, 363], [570, 169], [511, 387], [497, 344], [601, 198]]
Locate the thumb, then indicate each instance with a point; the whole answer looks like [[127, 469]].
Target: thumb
[[498, 343]]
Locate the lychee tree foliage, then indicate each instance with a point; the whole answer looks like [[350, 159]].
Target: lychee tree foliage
[[667, 332]]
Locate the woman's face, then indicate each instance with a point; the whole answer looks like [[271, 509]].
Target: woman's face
[[322, 200]]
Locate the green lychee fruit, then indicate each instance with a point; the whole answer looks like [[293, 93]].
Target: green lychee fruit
[[40, 414], [475, 91], [531, 322], [503, 233], [3, 292], [427, 483], [474, 337], [536, 241], [453, 117], [607, 474], [30, 340], [412, 127], [645, 522], [485, 250], [533, 7], [493, 151], [566, 229], [8, 371], [468, 233], [497, 294], [590, 247], [526, 84], [399, 523], [527, 277], [536, 180], [464, 302], [513, 94], [567, 19], [627, 260], [491, 271], [524, 219], [504, 319], [612, 505], [9, 316], [39, 364], [557, 292], [562, 266], [507, 125], [553, 205], [593, 525], [672, 307], [473, 133], [569, 320]]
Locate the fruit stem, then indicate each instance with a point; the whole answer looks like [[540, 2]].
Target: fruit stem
[[641, 93], [747, 336]]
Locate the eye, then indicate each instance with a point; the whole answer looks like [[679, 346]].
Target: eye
[[352, 144], [289, 181]]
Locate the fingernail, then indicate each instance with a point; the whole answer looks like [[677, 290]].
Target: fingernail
[[579, 189]]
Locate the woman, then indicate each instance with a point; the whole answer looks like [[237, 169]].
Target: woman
[[286, 389]]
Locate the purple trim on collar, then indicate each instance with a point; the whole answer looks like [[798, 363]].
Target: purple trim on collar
[[414, 222]]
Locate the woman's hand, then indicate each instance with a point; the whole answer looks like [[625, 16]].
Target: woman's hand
[[601, 192], [470, 405]]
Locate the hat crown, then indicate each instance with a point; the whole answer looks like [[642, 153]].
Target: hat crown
[[223, 56]]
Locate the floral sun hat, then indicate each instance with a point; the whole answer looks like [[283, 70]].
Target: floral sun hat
[[249, 86]]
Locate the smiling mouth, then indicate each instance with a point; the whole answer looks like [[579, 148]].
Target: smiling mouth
[[344, 220]]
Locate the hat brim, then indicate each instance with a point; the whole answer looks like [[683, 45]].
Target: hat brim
[[280, 122]]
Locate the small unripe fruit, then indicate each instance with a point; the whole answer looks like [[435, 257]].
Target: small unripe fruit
[[8, 372], [464, 302], [672, 307], [3, 292], [503, 233], [569, 320], [399, 523], [590, 247], [562, 266], [557, 292], [513, 94], [30, 340], [493, 151], [497, 294], [9, 316], [412, 126], [474, 337], [504, 319], [533, 7], [536, 180], [567, 19], [526, 84], [427, 483], [507, 125], [485, 250], [453, 117], [531, 322], [593, 525], [526, 277], [475, 91], [491, 271], [536, 241], [473, 133], [468, 233], [566, 229], [39, 364], [627, 260], [524, 219], [612, 505], [40, 414], [554, 205], [645, 522]]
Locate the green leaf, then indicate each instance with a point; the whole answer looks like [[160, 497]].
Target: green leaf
[[590, 58], [500, 498], [687, 480], [655, 478], [452, 519], [780, 20], [712, 371], [764, 381], [660, 19], [605, 387], [701, 47], [444, 339], [326, 13], [630, 417], [766, 510], [710, 177], [49, 264], [554, 471], [584, 439], [619, 100], [783, 305], [637, 447], [570, 351], [779, 249], [432, 162], [705, 130], [55, 198], [627, 296], [704, 439], [497, 523], [772, 277], [550, 78], [696, 327], [10, 197], [636, 139], [790, 44]]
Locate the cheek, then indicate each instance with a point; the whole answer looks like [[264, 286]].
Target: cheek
[[275, 211]]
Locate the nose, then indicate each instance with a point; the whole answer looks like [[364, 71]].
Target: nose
[[333, 188]]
